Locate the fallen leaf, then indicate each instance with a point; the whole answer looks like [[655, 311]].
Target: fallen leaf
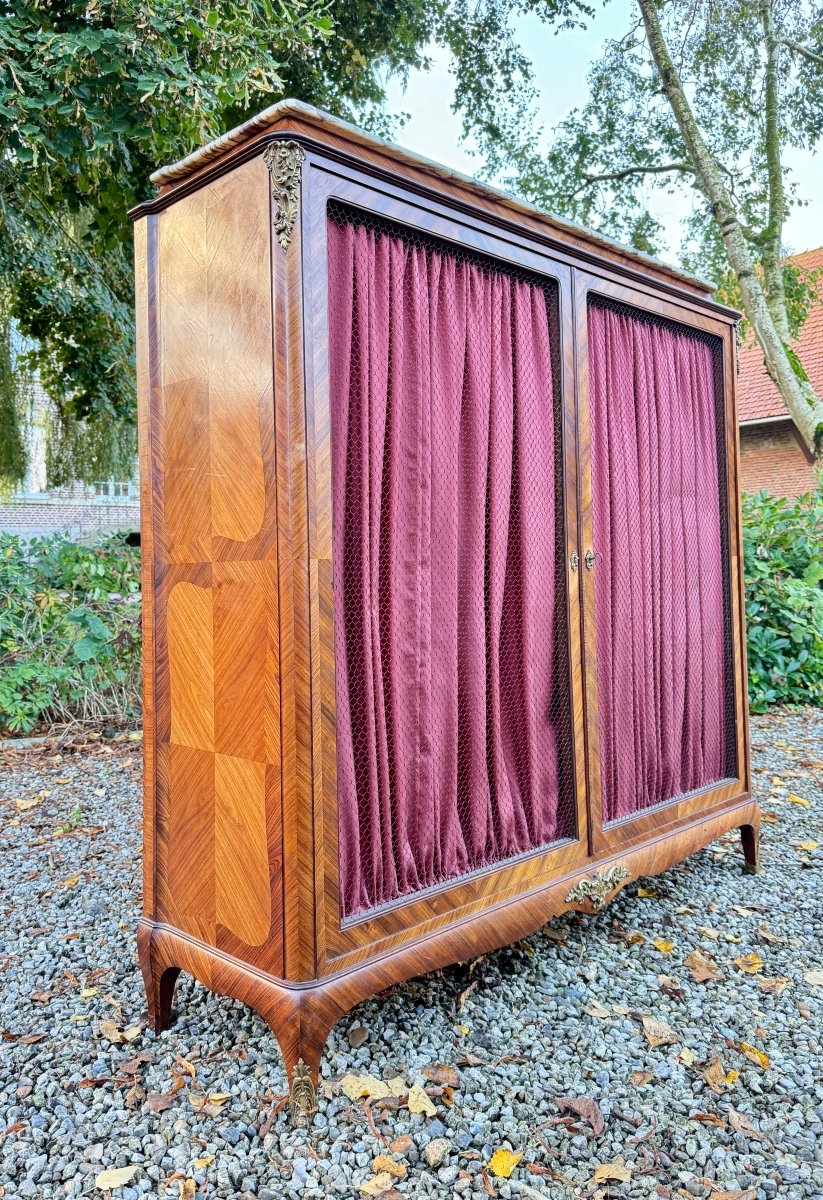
[[87, 993], [188, 1067], [749, 1194], [443, 1074], [703, 968], [115, 1178], [187, 1189], [401, 1144], [200, 1163], [657, 1033], [686, 1056], [731, 1077], [381, 1183], [641, 1078], [25, 805], [595, 1009], [644, 893], [815, 978], [769, 817], [754, 1055], [663, 946], [708, 1119], [357, 1036], [750, 963], [793, 799], [740, 1123], [41, 997], [774, 987], [359, 1087], [616, 1171], [72, 881], [419, 1102], [383, 1162], [158, 1102], [584, 1107], [503, 1162], [807, 846], [715, 1076]]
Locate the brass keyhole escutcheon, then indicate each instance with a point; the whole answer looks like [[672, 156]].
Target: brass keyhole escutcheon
[[590, 559], [574, 560]]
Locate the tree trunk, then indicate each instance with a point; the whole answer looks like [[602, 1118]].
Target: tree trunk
[[805, 408]]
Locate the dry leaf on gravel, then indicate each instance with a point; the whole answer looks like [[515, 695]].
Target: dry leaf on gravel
[[740, 1123], [686, 1057], [378, 1185], [117, 1036], [595, 1009], [663, 946], [647, 893], [750, 963], [641, 1078], [503, 1162], [794, 799], [364, 1087], [767, 935], [657, 1033], [419, 1102], [401, 1144], [115, 1178], [703, 968], [615, 1172], [443, 1074], [708, 1119], [584, 1107], [815, 978], [754, 1055], [716, 1077], [187, 1189], [774, 987], [383, 1162]]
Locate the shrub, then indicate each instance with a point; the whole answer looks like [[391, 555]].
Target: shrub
[[69, 632], [783, 546]]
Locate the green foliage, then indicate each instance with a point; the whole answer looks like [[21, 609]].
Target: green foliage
[[69, 632], [783, 545], [94, 94]]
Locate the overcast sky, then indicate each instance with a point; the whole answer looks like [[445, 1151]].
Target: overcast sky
[[562, 63]]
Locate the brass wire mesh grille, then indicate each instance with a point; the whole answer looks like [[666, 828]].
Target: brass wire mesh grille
[[663, 617], [454, 739]]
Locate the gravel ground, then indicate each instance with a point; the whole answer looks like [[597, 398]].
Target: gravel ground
[[731, 1104]]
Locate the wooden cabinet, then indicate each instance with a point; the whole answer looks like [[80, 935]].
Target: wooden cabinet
[[442, 582]]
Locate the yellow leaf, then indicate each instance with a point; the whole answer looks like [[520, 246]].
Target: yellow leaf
[[750, 963], [464, 1029], [777, 781], [503, 1162], [769, 817], [793, 799], [358, 1087], [815, 978], [87, 993], [731, 1077], [72, 881], [419, 1102], [686, 1056], [116, 1178], [218, 1097], [645, 893], [663, 946], [200, 1163], [755, 1055], [187, 1189], [616, 1171], [25, 805], [384, 1162], [381, 1183], [807, 846]]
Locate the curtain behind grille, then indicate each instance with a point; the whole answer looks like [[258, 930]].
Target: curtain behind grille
[[450, 674], [660, 600]]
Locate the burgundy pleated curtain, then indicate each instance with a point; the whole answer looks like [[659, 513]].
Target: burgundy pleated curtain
[[446, 598], [660, 601]]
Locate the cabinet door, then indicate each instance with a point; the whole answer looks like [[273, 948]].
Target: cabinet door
[[444, 401], [659, 563]]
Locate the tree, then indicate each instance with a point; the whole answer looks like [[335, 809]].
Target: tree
[[702, 94], [94, 94]]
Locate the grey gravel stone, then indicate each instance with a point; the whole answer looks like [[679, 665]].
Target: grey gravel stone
[[69, 1111]]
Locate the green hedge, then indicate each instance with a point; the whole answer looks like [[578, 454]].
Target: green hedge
[[69, 632], [70, 619], [783, 545]]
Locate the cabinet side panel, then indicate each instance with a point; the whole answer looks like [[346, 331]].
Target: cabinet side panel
[[218, 811]]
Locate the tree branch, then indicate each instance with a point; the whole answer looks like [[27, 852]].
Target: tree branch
[[803, 404], [811, 55], [772, 241], [625, 172]]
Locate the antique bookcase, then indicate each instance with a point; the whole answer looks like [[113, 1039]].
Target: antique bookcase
[[442, 573]]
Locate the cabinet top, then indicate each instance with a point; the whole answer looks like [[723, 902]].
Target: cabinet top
[[321, 131]]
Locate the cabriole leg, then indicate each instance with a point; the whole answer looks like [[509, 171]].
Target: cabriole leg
[[750, 837]]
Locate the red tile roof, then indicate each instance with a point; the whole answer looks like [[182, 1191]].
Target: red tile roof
[[757, 397]]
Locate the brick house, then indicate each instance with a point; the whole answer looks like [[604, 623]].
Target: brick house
[[773, 457]]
